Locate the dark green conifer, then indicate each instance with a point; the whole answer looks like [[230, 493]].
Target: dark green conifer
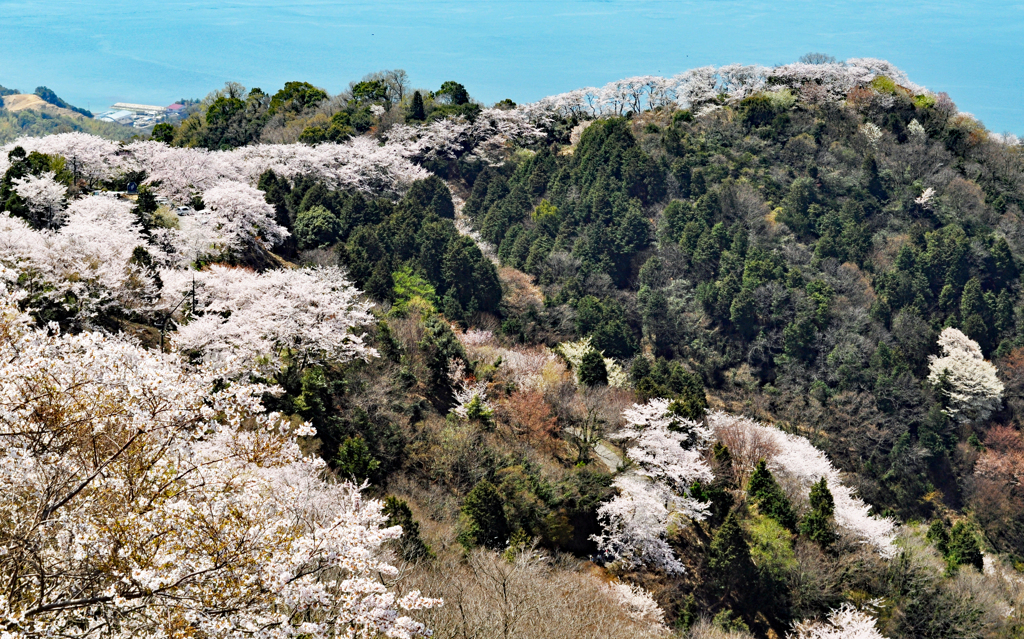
[[771, 500], [729, 562], [416, 111], [818, 525], [410, 544], [485, 514], [593, 371]]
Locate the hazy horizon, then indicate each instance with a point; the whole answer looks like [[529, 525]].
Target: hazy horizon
[[93, 53]]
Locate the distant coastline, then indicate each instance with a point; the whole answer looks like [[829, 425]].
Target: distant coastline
[[96, 54]]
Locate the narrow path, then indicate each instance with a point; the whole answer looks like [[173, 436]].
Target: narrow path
[[464, 226], [605, 453], [608, 457]]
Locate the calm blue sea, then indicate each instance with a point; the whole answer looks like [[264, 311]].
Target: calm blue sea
[[96, 52]]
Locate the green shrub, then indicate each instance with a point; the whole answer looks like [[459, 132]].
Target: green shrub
[[316, 228], [883, 84]]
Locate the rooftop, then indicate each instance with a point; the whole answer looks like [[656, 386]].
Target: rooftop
[[147, 108]]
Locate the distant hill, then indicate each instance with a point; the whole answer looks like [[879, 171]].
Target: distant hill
[[29, 115], [50, 97], [27, 101], [44, 113]]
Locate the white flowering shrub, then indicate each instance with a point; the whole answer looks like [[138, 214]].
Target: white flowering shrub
[[872, 133], [916, 131], [925, 198], [638, 603], [139, 499], [972, 389], [846, 622], [471, 401]]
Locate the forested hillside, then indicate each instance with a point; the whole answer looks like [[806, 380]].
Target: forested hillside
[[733, 353]]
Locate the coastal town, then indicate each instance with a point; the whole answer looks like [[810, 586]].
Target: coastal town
[[141, 116]]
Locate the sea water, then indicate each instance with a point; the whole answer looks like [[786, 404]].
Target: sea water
[[97, 52]]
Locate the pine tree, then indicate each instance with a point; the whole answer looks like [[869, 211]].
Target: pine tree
[[818, 524], [416, 111], [485, 512], [593, 371], [729, 559], [771, 500]]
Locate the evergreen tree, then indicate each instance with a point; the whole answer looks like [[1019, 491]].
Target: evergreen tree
[[354, 459], [593, 371], [485, 514], [729, 561], [410, 544], [440, 346], [163, 132], [771, 500], [316, 227], [818, 525], [963, 547], [145, 207], [690, 401], [938, 534], [416, 110]]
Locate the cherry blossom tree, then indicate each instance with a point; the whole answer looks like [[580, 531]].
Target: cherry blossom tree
[[182, 173], [140, 500], [249, 322], [440, 139], [655, 493], [700, 89], [665, 447], [489, 137], [44, 197], [86, 267], [88, 157], [639, 604], [528, 368], [360, 164], [969, 383], [579, 103], [177, 173], [239, 217], [636, 94]]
